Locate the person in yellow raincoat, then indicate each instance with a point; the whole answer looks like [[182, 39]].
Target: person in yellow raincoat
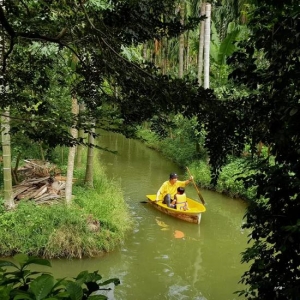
[[169, 188]]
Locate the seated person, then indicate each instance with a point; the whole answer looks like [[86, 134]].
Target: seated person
[[169, 188], [179, 201]]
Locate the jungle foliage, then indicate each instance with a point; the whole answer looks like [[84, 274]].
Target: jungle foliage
[[54, 51], [268, 66]]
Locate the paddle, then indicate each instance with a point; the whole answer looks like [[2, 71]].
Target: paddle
[[198, 192]]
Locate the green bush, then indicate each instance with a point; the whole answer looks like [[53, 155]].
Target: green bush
[[200, 171], [230, 179]]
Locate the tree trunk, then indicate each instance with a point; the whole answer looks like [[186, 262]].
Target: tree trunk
[[187, 52], [207, 45], [81, 137], [181, 40], [6, 148], [71, 156], [89, 178], [145, 51], [201, 46]]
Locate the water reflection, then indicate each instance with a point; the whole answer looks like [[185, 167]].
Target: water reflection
[[163, 257], [204, 264]]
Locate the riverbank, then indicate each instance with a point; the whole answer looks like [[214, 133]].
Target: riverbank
[[96, 222], [182, 149]]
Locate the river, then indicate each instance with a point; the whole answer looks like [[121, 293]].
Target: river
[[153, 263]]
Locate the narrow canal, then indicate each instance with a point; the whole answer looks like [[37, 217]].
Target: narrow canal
[[153, 263]]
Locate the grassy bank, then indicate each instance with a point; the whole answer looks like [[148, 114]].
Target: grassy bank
[[96, 222]]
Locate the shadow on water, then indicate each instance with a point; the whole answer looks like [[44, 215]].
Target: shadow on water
[[162, 257]]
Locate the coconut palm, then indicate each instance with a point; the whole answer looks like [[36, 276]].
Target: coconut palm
[[181, 40], [207, 44]]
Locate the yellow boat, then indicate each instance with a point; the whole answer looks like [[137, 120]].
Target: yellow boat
[[192, 215]]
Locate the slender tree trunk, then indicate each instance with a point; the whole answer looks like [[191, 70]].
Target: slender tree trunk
[[89, 178], [187, 52], [71, 156], [201, 46], [5, 134], [162, 56], [181, 41], [166, 51], [155, 57], [81, 137], [6, 148], [207, 45], [145, 51]]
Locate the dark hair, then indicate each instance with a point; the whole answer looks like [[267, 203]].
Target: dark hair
[[173, 175], [180, 190]]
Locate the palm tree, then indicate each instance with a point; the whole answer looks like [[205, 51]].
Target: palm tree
[[201, 45], [181, 40], [207, 44]]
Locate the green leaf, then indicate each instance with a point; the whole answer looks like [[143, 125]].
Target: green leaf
[[4, 263], [4, 292], [42, 286], [75, 290], [20, 295], [37, 261], [84, 277], [227, 46], [21, 258]]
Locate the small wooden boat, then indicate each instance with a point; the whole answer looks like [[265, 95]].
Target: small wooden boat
[[192, 215]]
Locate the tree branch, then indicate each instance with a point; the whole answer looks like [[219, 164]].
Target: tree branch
[[5, 23]]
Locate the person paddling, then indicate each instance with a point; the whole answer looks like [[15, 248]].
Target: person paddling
[[169, 188]]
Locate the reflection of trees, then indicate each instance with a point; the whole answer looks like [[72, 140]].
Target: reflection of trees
[[198, 268]]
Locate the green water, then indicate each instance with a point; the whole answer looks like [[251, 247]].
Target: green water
[[152, 263]]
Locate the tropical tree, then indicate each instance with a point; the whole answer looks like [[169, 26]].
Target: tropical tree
[[181, 40], [40, 33], [201, 45], [207, 45], [267, 65]]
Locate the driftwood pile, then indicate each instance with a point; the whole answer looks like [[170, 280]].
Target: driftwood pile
[[42, 183]]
